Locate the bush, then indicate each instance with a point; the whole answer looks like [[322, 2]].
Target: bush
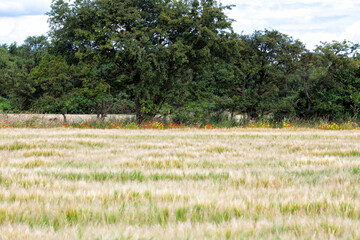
[[200, 113], [4, 104]]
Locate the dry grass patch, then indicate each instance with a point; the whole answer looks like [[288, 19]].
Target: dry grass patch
[[179, 184]]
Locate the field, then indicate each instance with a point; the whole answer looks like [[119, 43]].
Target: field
[[66, 183]]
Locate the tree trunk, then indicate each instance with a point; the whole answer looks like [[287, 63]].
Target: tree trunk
[[105, 110], [64, 116], [139, 117], [7, 111], [97, 110], [306, 90]]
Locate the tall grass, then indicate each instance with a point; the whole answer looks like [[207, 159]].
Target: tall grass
[[68, 183]]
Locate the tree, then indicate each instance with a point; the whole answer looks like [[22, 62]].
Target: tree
[[262, 81], [53, 79], [16, 63], [145, 49], [330, 86], [5, 69]]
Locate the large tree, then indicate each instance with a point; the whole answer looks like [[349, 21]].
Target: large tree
[[16, 63], [54, 86], [261, 81], [330, 82], [145, 48]]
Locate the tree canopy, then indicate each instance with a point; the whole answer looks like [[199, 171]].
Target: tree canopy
[[141, 49], [178, 58]]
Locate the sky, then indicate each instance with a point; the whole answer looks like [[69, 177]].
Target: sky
[[310, 21]]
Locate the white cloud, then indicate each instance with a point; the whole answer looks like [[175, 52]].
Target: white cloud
[[352, 32], [311, 21], [19, 28], [22, 18], [13, 8]]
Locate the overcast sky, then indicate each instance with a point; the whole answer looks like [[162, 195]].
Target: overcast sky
[[311, 21]]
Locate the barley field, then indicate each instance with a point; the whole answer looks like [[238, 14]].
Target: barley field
[[179, 184]]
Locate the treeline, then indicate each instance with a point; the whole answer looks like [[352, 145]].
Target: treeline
[[174, 58]]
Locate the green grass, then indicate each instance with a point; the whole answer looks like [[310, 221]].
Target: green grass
[[16, 146]]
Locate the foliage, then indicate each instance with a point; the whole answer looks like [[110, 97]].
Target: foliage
[[330, 81], [54, 81], [260, 80], [4, 104], [141, 48], [175, 61], [16, 63]]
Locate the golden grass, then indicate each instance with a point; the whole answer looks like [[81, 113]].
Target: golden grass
[[179, 184]]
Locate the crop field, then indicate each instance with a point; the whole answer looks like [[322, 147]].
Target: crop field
[[67, 183]]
